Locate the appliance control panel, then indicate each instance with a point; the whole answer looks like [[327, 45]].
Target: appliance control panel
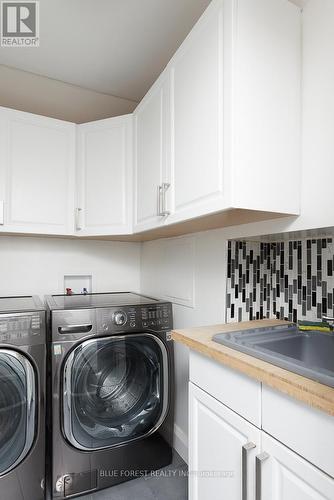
[[156, 317], [21, 328]]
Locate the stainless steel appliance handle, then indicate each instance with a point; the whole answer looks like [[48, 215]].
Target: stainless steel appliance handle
[[259, 459], [74, 329], [245, 449]]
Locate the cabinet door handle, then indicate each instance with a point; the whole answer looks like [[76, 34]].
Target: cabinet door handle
[[2, 215], [162, 210], [165, 187], [78, 219], [259, 459], [159, 200], [245, 449]]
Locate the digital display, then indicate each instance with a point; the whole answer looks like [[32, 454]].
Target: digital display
[[19, 327]]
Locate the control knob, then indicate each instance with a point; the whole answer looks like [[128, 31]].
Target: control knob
[[119, 318]]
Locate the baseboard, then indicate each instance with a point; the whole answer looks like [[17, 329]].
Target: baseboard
[[181, 442]]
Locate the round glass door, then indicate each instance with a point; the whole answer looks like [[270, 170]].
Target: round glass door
[[17, 408], [115, 390]]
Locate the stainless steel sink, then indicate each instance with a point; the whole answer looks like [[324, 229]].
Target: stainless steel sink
[[310, 354]]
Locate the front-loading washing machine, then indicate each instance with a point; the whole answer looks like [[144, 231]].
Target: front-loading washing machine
[[110, 410], [22, 398]]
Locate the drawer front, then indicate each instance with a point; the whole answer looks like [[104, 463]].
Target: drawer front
[[305, 430], [233, 389]]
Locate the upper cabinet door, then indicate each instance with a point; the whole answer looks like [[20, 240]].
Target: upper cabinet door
[[37, 173], [235, 110], [104, 177], [152, 156], [197, 114], [286, 476], [222, 449]]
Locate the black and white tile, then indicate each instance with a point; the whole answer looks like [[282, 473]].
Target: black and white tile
[[290, 280]]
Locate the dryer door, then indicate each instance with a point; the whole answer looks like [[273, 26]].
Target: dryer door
[[115, 390], [18, 397]]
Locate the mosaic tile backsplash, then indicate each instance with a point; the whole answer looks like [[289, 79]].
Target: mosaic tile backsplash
[[290, 280]]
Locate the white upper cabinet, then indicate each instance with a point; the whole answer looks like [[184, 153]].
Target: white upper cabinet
[[235, 110], [219, 131], [197, 113], [152, 156], [104, 177], [37, 167]]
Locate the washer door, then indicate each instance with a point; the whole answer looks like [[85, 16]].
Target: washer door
[[17, 408], [115, 390]]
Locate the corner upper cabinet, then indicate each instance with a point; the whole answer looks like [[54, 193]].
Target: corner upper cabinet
[[104, 177], [152, 156], [37, 168], [235, 110]]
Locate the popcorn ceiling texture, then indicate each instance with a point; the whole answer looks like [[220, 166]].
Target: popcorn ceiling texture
[[290, 280]]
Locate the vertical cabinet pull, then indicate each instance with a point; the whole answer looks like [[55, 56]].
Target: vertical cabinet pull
[[165, 187], [160, 201], [162, 208], [259, 459], [245, 449], [2, 215], [78, 219]]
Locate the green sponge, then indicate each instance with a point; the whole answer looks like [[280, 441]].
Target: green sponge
[[321, 326]]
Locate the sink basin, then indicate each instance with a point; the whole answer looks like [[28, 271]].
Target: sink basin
[[310, 354]]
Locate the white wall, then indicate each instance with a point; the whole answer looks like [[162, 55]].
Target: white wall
[[209, 263], [194, 269], [38, 265]]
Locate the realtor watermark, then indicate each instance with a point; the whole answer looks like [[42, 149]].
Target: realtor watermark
[[169, 473], [19, 24]]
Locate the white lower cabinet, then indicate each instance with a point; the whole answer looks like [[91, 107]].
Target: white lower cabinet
[[284, 475], [222, 449], [231, 459]]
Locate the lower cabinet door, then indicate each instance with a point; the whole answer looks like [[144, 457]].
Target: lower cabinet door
[[281, 474], [222, 450]]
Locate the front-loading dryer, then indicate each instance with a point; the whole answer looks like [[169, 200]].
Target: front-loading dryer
[[111, 398], [22, 398]]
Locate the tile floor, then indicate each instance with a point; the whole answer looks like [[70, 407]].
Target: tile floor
[[172, 484]]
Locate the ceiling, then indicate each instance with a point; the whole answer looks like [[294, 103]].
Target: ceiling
[[115, 47]]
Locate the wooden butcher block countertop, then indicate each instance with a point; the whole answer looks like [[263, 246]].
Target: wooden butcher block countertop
[[301, 388]]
